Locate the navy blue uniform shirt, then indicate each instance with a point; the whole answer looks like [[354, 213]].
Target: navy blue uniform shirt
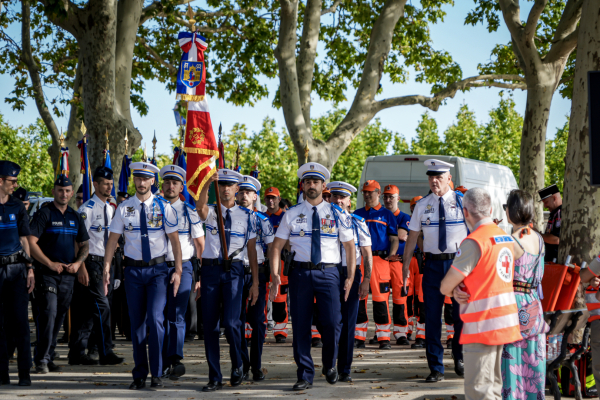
[[275, 219], [382, 223], [403, 220], [58, 233], [14, 222]]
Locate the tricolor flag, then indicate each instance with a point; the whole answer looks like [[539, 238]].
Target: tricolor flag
[[85, 171], [191, 77], [62, 168]]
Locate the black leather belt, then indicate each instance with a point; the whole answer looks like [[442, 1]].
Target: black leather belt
[[210, 261], [443, 256], [171, 264], [95, 258], [130, 262], [380, 253], [12, 259], [262, 268], [310, 265]]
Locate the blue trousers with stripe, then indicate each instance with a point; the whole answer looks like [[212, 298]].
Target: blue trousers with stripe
[[434, 272], [146, 289], [176, 309], [255, 316], [222, 289], [349, 315], [304, 286], [90, 311]]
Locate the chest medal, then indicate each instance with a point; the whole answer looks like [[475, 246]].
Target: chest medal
[[301, 233], [99, 228], [130, 227], [214, 231]]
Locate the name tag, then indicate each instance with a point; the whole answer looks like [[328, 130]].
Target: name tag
[[57, 223], [502, 239], [72, 223]]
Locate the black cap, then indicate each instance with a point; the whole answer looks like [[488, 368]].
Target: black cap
[[548, 191], [9, 168], [123, 194], [80, 190], [21, 194], [103, 172], [63, 181]]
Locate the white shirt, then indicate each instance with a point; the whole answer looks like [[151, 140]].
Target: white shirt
[[296, 225], [187, 231], [241, 231], [92, 213], [362, 238], [127, 220], [426, 218], [264, 236]]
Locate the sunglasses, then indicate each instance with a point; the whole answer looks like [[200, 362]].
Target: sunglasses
[[504, 207]]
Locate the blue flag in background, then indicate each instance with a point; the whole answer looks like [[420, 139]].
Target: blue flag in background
[[85, 171], [125, 174], [155, 186], [107, 164]]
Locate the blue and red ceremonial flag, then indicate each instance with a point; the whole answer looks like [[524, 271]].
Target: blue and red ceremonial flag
[[179, 160], [62, 168], [191, 77], [107, 164], [125, 174]]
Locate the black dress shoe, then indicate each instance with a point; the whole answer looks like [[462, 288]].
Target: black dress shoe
[[42, 369], [374, 340], [4, 378], [317, 343], [435, 377], [345, 377], [177, 371], [53, 367], [93, 353], [402, 341], [332, 376], [24, 379], [280, 339], [359, 344], [237, 377], [409, 336], [302, 385], [258, 375], [212, 386], [83, 360], [111, 359], [459, 368], [137, 384], [156, 382], [385, 345], [418, 344], [449, 343]]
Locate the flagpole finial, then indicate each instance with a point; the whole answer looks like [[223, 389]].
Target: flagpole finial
[[154, 146], [191, 20], [306, 151], [256, 158], [62, 138], [220, 130], [126, 141], [107, 141], [83, 129]]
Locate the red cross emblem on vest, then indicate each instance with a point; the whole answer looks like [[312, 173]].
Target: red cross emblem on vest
[[506, 263]]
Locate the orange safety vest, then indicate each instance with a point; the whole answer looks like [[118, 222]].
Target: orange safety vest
[[593, 305], [491, 316]]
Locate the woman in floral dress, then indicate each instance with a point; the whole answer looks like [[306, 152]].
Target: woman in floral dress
[[524, 362]]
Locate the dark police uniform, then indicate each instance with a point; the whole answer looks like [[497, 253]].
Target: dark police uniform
[[553, 227], [280, 309], [14, 297], [57, 234]]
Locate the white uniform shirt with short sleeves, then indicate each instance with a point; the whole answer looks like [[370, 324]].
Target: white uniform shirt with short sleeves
[[190, 228], [362, 238], [92, 213], [425, 217], [263, 236], [241, 231], [296, 225], [159, 220]]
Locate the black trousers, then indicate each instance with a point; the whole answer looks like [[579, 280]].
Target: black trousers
[[14, 324], [191, 314], [53, 295], [90, 310]]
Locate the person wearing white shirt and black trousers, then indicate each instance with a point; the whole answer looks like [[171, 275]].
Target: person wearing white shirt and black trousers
[[315, 230], [90, 308], [191, 239], [147, 221], [222, 280]]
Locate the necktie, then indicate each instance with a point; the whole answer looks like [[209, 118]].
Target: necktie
[[146, 255], [442, 230], [105, 225], [315, 245], [227, 231]]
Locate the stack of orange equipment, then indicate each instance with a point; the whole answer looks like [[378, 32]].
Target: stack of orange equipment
[[560, 283]]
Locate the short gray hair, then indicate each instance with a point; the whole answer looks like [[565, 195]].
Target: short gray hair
[[479, 202]]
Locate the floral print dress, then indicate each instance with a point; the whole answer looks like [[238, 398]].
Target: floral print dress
[[524, 362]]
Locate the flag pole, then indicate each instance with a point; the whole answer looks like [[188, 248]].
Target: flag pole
[[106, 150], [224, 249]]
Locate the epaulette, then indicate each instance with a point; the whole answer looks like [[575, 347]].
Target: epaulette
[[358, 218], [245, 209], [90, 204], [161, 198], [337, 208], [188, 205], [295, 205], [262, 215], [459, 193], [418, 201]]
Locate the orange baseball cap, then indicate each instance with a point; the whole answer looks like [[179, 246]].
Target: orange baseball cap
[[272, 191], [451, 184], [391, 189], [414, 200], [326, 191], [371, 186], [462, 189]]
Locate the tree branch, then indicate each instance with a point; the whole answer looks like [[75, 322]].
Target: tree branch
[[565, 36], [58, 63], [208, 29], [68, 23], [533, 18], [156, 57], [331, 9], [563, 47], [157, 5]]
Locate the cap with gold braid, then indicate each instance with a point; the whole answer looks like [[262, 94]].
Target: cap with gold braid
[[144, 169]]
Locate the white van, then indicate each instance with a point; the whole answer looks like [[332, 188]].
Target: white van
[[408, 172]]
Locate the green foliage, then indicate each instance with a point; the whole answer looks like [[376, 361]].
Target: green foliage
[[427, 140], [400, 145], [28, 147], [556, 151]]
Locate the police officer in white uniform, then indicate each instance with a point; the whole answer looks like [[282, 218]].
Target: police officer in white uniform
[[439, 215], [222, 280], [90, 307], [315, 229], [146, 220], [191, 239]]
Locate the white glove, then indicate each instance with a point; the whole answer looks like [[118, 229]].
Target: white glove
[[117, 284]]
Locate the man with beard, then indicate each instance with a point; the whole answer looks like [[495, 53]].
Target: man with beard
[[91, 309], [56, 231], [222, 278], [147, 222], [191, 239], [316, 230]]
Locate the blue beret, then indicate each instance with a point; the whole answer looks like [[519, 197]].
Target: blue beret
[[21, 194], [63, 181], [103, 172], [9, 168]]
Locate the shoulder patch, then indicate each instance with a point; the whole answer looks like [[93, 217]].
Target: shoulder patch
[[502, 239], [356, 217], [90, 204], [337, 208], [83, 215], [188, 205], [245, 209]]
